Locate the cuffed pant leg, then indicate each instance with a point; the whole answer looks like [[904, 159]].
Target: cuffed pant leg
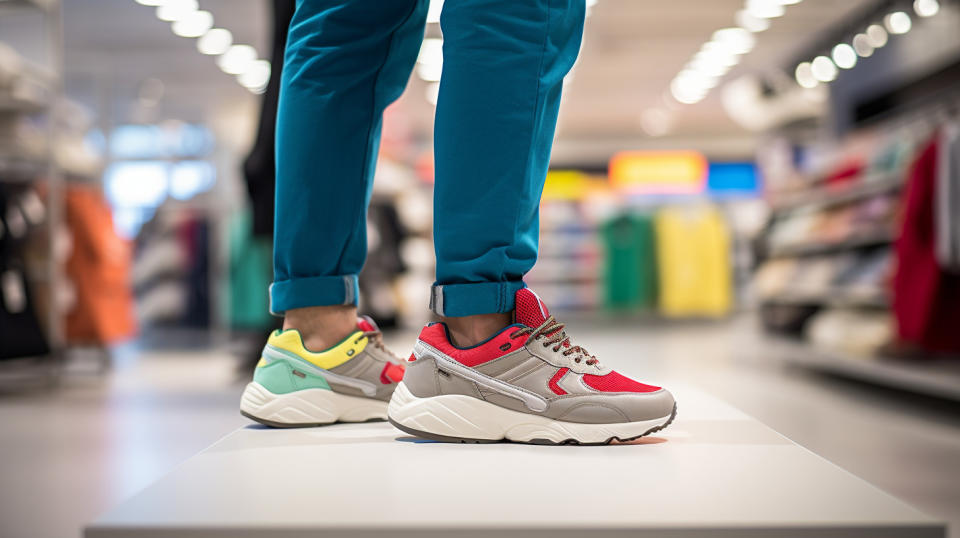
[[504, 63], [345, 61]]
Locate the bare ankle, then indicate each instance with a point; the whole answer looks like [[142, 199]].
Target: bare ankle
[[322, 327], [466, 331]]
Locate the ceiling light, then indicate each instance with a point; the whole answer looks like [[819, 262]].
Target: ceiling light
[[194, 24], [432, 92], [897, 22], [877, 35], [749, 22], [804, 75], [844, 56], [709, 68], [236, 59], [174, 10], [736, 40], [861, 44], [214, 42], [151, 2], [655, 121], [256, 75], [716, 55], [765, 9], [926, 8], [691, 87], [433, 12], [823, 69]]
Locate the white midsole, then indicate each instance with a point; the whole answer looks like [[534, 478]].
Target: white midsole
[[309, 406], [462, 416]]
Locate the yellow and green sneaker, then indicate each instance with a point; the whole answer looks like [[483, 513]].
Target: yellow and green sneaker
[[349, 382]]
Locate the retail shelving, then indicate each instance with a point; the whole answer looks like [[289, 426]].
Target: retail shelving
[[931, 377], [822, 195], [833, 297], [38, 94], [859, 240]]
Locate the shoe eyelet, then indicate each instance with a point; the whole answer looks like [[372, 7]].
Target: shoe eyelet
[[576, 361]]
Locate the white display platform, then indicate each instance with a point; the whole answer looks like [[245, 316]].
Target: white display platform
[[715, 472]]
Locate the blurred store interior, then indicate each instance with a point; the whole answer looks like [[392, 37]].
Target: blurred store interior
[[759, 198]]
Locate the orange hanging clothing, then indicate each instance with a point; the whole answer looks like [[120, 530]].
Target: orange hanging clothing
[[99, 268]]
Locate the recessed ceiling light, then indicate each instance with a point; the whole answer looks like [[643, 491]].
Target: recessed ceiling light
[[765, 9], [926, 8], [897, 22], [861, 44], [877, 35], [174, 10], [256, 75], [194, 24], [823, 69], [804, 75], [236, 59], [844, 56], [750, 22], [214, 42]]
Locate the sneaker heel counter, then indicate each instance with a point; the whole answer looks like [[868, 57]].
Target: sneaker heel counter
[[420, 377], [282, 377]]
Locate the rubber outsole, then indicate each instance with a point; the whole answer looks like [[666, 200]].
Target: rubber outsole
[[451, 439], [288, 425]]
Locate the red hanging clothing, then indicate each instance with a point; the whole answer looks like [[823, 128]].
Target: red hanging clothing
[[926, 299]]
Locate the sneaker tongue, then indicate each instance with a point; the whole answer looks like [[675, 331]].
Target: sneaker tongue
[[529, 309]]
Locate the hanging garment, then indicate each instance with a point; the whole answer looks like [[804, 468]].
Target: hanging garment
[[99, 267], [926, 299], [251, 269], [693, 255], [631, 262], [20, 331], [259, 167]]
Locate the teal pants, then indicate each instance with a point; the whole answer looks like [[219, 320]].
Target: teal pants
[[346, 60]]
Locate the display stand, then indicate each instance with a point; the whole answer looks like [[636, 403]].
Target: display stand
[[715, 472]]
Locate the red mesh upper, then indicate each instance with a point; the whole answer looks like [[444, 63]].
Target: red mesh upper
[[530, 310], [614, 382]]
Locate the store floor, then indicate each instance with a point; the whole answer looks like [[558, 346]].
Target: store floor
[[70, 454]]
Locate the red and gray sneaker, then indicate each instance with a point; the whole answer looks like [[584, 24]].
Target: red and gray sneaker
[[528, 383]]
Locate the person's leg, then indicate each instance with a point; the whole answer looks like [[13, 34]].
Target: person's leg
[[504, 63], [345, 61]]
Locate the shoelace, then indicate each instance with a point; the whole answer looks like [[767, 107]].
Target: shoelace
[[552, 331], [376, 338]]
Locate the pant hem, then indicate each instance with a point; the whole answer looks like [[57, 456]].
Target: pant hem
[[313, 291], [453, 300]]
